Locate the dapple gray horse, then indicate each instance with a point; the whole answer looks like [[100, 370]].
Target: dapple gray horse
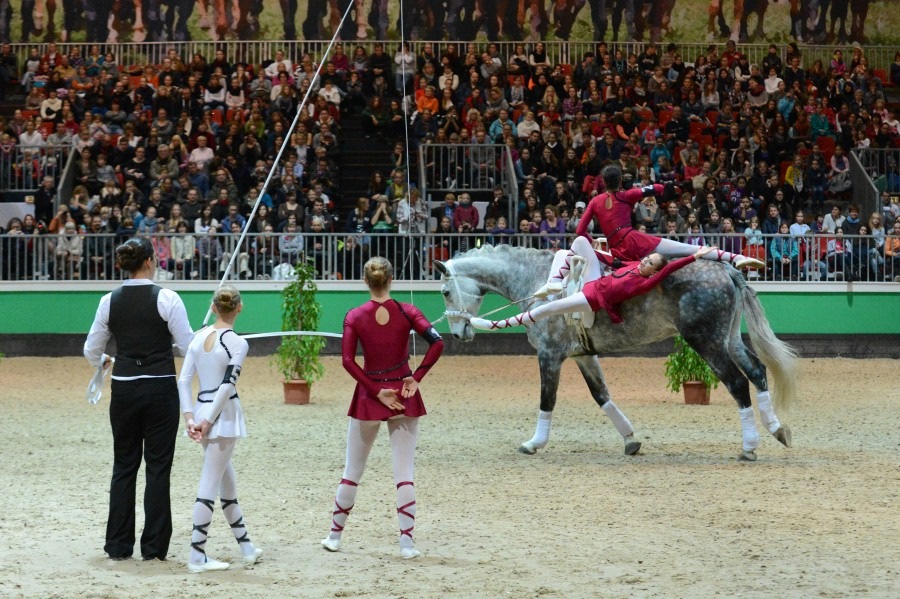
[[704, 302]]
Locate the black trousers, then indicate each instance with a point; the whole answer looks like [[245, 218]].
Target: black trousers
[[144, 414]]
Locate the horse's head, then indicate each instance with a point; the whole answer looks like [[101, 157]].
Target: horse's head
[[462, 299]]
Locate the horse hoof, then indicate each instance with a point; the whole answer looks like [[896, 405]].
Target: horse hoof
[[527, 449], [748, 455], [783, 434], [632, 447]]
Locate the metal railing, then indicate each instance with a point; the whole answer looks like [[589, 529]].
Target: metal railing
[[558, 52], [22, 168], [865, 191], [883, 167], [474, 168], [66, 181], [510, 180], [25, 257]]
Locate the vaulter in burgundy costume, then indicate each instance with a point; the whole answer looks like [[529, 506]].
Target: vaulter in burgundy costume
[[386, 390]]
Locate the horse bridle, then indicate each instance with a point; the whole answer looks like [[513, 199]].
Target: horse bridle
[[451, 277]]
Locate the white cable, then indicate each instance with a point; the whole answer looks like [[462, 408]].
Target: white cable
[[275, 166], [410, 254], [292, 334]]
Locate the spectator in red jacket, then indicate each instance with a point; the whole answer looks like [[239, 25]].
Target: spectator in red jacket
[[465, 216]]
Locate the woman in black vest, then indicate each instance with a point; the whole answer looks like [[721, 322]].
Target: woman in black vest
[[145, 320]]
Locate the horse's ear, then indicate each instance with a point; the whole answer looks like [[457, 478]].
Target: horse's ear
[[440, 267]]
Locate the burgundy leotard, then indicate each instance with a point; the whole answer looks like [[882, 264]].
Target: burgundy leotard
[[385, 351], [624, 242], [608, 293]]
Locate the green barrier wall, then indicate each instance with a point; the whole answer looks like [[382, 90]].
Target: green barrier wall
[[803, 312]]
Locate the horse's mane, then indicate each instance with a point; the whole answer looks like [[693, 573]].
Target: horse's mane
[[505, 252], [510, 271]]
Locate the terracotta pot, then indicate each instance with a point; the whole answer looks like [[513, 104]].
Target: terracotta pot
[[696, 393], [296, 392]]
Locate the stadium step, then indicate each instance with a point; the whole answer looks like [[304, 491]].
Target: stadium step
[[360, 157]]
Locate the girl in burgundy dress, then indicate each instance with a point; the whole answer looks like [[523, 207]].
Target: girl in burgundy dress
[[613, 209], [386, 390]]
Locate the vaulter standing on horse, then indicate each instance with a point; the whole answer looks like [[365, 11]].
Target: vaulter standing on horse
[[613, 209]]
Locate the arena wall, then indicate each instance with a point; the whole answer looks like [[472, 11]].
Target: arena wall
[[828, 319]]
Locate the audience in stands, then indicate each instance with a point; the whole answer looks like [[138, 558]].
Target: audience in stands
[[185, 147]]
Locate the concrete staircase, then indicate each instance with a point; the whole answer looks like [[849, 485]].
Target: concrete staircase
[[360, 157]]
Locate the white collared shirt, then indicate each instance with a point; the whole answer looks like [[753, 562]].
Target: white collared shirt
[[171, 309]]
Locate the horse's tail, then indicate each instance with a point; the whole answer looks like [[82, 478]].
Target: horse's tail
[[779, 358]]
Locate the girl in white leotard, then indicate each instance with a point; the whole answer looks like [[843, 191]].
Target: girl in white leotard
[[215, 420]]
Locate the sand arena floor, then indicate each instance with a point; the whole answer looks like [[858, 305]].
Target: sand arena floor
[[683, 518]]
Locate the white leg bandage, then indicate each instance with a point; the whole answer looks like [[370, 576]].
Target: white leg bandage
[[677, 249], [216, 461], [748, 428], [560, 266], [767, 412], [593, 268], [406, 512], [542, 430], [360, 437], [403, 433], [619, 420], [202, 516]]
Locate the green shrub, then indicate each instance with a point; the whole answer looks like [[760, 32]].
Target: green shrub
[[685, 365], [297, 358]]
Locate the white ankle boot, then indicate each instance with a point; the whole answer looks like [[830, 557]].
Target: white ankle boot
[[551, 288]]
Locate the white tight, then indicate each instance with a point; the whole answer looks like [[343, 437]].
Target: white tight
[[594, 269], [676, 249], [361, 435], [573, 303], [217, 478], [582, 247]]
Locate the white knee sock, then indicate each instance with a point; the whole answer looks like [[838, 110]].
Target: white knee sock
[[767, 412], [574, 303], [235, 518], [404, 432], [360, 437], [217, 474], [677, 249], [232, 510], [748, 428], [523, 318], [619, 420], [720, 256], [344, 500], [559, 269], [406, 512], [203, 510]]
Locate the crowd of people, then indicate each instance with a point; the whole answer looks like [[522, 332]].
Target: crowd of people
[[179, 151]]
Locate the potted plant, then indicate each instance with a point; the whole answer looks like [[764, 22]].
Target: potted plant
[[297, 358], [685, 367]]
